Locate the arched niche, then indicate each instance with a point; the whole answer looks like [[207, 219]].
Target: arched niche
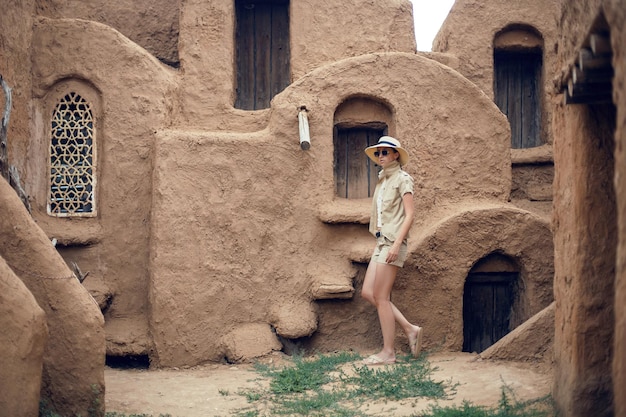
[[491, 297], [358, 123], [517, 82]]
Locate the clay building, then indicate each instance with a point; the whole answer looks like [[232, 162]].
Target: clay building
[[199, 167], [579, 112], [590, 283]]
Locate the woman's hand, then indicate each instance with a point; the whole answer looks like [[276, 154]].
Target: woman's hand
[[392, 255]]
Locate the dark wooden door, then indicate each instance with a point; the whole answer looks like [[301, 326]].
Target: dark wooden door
[[517, 92], [263, 55], [487, 305], [355, 174]]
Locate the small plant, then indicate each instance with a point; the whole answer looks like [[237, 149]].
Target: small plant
[[44, 410], [251, 396], [305, 374], [96, 405], [404, 380], [248, 413], [507, 407], [319, 403], [320, 387], [114, 414], [223, 392]]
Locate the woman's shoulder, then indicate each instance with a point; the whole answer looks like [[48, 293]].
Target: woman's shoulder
[[402, 179], [404, 176]]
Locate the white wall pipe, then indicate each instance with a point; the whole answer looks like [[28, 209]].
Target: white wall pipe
[[303, 124]]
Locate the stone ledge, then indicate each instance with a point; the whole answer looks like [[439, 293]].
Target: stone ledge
[[70, 231], [332, 291], [346, 211], [537, 155]]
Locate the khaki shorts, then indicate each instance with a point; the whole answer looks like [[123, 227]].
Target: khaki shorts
[[382, 249]]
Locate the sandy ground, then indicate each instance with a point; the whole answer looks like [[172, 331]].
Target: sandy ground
[[211, 390]]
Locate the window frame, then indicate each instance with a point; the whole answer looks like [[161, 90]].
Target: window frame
[[71, 120]]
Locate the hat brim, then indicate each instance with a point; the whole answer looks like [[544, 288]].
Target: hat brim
[[404, 155]]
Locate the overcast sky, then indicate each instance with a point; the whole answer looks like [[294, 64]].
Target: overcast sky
[[429, 15]]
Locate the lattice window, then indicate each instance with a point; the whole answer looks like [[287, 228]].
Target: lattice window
[[72, 158]]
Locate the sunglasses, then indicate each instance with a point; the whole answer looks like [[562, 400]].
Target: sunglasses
[[383, 153]]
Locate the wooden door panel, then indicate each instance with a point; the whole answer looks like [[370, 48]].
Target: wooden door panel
[[341, 161], [245, 58], [517, 83], [263, 50], [263, 55], [355, 174], [487, 306], [280, 75]]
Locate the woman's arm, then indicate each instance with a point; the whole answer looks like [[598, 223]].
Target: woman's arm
[[409, 212]]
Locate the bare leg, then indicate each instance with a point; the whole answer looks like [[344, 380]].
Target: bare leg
[[369, 292], [385, 277]]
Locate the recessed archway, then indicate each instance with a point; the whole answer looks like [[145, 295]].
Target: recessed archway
[[489, 301]]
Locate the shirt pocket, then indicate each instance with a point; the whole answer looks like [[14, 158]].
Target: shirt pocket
[[391, 195]]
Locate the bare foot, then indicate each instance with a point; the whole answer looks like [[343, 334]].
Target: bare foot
[[379, 360], [415, 341]]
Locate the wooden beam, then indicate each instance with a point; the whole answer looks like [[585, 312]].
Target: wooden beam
[[600, 44], [590, 80], [592, 75], [588, 89], [599, 99], [587, 60]]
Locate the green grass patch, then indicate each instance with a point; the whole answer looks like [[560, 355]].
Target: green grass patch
[[305, 374], [114, 414], [339, 386], [404, 380], [334, 386], [508, 406]]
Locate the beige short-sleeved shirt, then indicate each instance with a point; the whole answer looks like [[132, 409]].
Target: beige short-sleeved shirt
[[397, 183]]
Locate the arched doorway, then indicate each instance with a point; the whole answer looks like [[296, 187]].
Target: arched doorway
[[489, 298]]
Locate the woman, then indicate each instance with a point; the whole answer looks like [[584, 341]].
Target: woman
[[390, 221]]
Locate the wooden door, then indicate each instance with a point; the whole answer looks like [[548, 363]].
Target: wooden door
[[517, 92], [487, 305], [355, 174], [263, 54]]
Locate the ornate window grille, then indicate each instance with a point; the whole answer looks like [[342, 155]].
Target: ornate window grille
[[72, 159]]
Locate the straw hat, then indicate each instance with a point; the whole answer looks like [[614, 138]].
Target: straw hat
[[388, 142]]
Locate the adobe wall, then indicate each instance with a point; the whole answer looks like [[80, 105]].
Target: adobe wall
[[64, 370], [471, 26], [215, 232], [131, 95], [151, 24], [468, 33], [22, 344], [590, 196], [617, 19], [207, 27], [15, 68], [73, 360], [618, 22], [429, 289], [318, 36], [261, 230]]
